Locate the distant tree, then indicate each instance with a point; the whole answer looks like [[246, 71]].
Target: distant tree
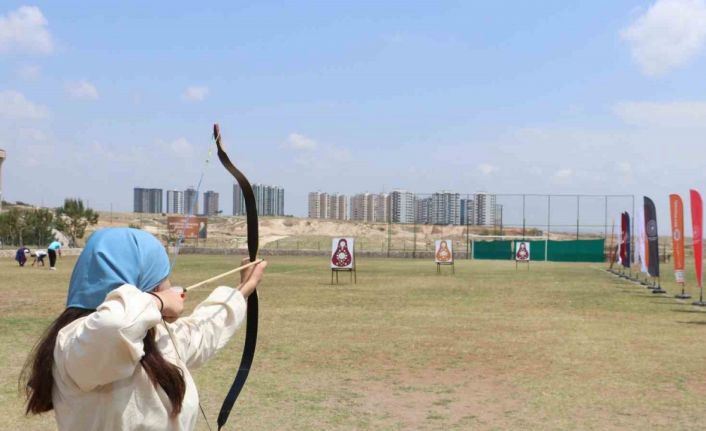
[[73, 219], [12, 226], [39, 224]]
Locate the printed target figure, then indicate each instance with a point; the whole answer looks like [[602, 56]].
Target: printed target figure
[[522, 252], [342, 256], [443, 254]]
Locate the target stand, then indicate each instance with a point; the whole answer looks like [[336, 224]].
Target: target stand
[[519, 262], [351, 271], [439, 264]]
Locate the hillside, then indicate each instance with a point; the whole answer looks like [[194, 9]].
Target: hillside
[[290, 232]]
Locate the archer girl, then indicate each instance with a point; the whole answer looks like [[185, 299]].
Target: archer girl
[[111, 361]]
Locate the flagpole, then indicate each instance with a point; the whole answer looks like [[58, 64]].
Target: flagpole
[[659, 289], [697, 239]]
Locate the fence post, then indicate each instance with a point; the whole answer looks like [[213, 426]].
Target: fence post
[[414, 238], [549, 224], [389, 236]]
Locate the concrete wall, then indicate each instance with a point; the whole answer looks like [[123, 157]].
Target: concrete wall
[[10, 252]]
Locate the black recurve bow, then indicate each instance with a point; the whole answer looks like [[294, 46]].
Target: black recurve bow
[[251, 329]]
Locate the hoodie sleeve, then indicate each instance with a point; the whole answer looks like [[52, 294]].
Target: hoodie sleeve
[[209, 328], [107, 345]]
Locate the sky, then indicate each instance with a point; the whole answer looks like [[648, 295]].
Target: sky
[[600, 97]]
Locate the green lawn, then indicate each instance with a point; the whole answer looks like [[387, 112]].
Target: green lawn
[[563, 346]]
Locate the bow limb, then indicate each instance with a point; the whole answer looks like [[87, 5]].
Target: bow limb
[[253, 237]]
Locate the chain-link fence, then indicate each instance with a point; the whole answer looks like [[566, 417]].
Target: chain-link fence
[[406, 224]]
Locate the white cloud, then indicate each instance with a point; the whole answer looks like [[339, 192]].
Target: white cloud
[[487, 169], [311, 153], [564, 173], [662, 114], [195, 94], [82, 90], [624, 167], [29, 72], [113, 154], [181, 148], [667, 36], [25, 30], [32, 134], [15, 106], [296, 141], [339, 154]]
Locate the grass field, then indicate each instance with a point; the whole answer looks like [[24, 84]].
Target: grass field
[[563, 346]]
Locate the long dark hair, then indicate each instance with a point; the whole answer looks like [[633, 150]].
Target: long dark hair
[[38, 379]]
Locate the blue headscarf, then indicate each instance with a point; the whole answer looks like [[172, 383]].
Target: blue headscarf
[[113, 257]]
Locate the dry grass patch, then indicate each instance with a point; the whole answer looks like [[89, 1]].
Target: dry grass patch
[[563, 346]]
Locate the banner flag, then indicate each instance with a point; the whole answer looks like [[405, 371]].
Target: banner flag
[[623, 238], [628, 239], [697, 219], [640, 246], [676, 209], [652, 237]]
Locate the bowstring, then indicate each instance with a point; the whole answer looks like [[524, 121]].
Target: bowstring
[[194, 201], [177, 247]]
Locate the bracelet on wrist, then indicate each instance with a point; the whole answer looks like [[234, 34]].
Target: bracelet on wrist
[[161, 303]]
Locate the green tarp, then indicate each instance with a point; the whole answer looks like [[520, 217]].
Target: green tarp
[[486, 250], [584, 250]]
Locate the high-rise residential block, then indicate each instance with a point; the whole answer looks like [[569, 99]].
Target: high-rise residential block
[[314, 204], [423, 210], [485, 209], [467, 212], [362, 207], [191, 201], [327, 206], [210, 203], [175, 201], [381, 208], [339, 207], [402, 207], [147, 200], [269, 200], [446, 208]]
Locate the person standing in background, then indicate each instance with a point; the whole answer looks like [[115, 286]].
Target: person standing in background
[[53, 249]]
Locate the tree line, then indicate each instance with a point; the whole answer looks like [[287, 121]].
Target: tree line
[[20, 226]]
